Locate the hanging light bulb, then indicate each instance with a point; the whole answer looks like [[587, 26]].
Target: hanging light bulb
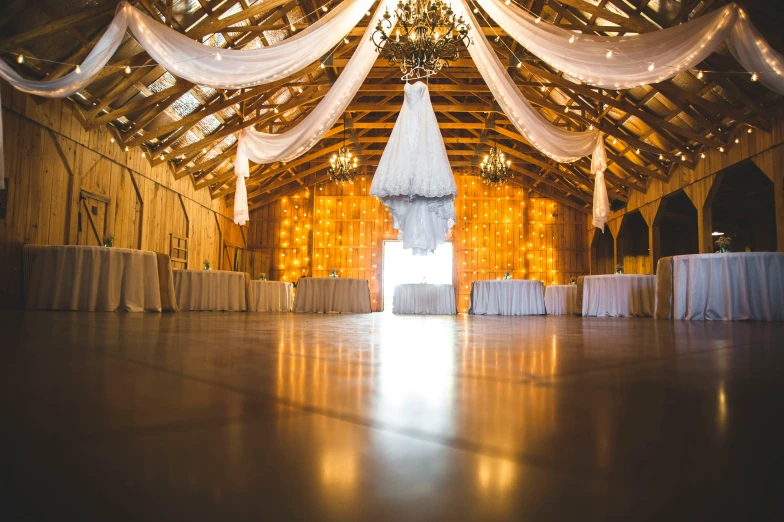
[[111, 140], [127, 69], [538, 19], [638, 151], [702, 155], [571, 40], [218, 57], [291, 26], [345, 40], [721, 149], [78, 70], [650, 67], [324, 8], [609, 54], [749, 131], [754, 77], [661, 157], [20, 59], [700, 75]]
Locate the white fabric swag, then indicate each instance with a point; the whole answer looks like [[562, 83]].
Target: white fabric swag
[[559, 144], [262, 147], [621, 62], [194, 61]]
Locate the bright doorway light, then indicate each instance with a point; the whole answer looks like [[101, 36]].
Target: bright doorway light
[[402, 267]]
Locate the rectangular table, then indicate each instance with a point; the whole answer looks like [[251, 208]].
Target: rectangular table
[[721, 287], [210, 290], [507, 297], [270, 296], [619, 295], [424, 299], [332, 294], [91, 278], [561, 300]]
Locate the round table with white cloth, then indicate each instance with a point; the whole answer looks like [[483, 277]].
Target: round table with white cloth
[[343, 295], [561, 299], [91, 278], [728, 287], [205, 290], [619, 295], [418, 298], [507, 297], [270, 296]]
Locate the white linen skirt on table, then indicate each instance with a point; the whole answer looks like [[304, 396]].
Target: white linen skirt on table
[[420, 298], [507, 297], [619, 295], [210, 290]]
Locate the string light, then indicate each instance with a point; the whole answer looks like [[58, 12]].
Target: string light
[[20, 59], [324, 8], [754, 77], [571, 40], [702, 155], [609, 54], [721, 149], [700, 75], [78, 70], [218, 57], [127, 69]]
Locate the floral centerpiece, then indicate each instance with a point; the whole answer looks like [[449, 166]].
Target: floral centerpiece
[[333, 272], [108, 240], [572, 280], [619, 268], [262, 277], [207, 265], [508, 274], [724, 244]]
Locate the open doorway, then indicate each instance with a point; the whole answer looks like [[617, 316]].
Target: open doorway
[[401, 267]]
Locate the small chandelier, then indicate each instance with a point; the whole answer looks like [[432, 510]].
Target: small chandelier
[[494, 169], [427, 37], [342, 166]]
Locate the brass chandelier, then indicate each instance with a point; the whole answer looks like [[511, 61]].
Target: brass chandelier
[[427, 37], [343, 166], [494, 169]]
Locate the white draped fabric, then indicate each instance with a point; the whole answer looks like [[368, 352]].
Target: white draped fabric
[[94, 279], [210, 290], [559, 144], [343, 295], [507, 297], [424, 299], [270, 296], [198, 63], [728, 287], [622, 62], [561, 300], [619, 295]]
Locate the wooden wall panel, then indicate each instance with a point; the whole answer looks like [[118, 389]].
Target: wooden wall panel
[[50, 160], [765, 149], [342, 227]]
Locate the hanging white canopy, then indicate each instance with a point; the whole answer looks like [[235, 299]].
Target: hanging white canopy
[[622, 62], [559, 144], [196, 62], [602, 61]]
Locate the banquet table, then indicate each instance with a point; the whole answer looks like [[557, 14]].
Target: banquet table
[[91, 278], [561, 299], [721, 287], [216, 290], [419, 298], [270, 296], [507, 297], [619, 295], [332, 294]]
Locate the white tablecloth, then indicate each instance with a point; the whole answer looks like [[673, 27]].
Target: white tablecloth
[[210, 290], [561, 299], [507, 297], [100, 279], [270, 296], [742, 286], [424, 299], [332, 294], [619, 295]]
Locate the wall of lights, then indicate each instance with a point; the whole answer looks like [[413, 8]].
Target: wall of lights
[[498, 229]]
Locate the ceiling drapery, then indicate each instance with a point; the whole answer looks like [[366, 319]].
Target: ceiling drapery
[[621, 62], [610, 62]]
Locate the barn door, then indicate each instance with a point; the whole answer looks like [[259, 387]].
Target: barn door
[[92, 219]]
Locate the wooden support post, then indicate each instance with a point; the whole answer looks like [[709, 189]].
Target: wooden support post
[[649, 212], [702, 195], [615, 227], [140, 200], [187, 228]]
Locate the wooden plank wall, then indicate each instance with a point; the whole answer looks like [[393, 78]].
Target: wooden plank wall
[[50, 159], [341, 226], [766, 150]]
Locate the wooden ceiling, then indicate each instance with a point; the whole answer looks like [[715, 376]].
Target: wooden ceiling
[[193, 129]]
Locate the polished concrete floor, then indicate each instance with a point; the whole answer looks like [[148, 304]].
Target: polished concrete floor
[[231, 416]]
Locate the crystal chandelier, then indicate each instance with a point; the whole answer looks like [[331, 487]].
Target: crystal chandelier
[[342, 166], [427, 37], [495, 167]]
